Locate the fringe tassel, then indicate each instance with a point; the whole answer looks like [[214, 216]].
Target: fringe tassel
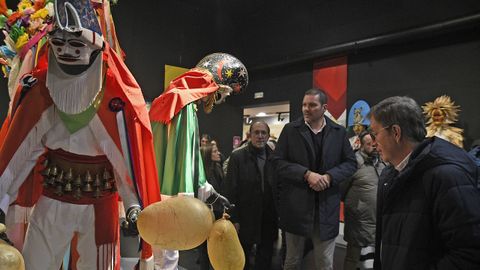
[[26, 155], [115, 157], [73, 94], [106, 257]]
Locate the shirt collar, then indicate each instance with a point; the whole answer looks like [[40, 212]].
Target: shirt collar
[[403, 163], [320, 129]]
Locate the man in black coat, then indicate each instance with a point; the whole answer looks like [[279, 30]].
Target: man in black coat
[[312, 157], [249, 187], [428, 205]]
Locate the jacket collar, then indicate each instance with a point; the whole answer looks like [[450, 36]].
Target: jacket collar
[[253, 151], [305, 132]]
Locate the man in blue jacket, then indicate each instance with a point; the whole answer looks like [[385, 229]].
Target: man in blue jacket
[[428, 214], [312, 157]]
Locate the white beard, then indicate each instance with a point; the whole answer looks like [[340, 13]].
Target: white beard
[[73, 94]]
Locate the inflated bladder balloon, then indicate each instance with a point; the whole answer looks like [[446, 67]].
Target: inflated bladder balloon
[[10, 257], [178, 223], [224, 248]]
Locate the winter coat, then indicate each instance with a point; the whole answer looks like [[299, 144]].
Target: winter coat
[[243, 187], [361, 202], [429, 213], [293, 156]]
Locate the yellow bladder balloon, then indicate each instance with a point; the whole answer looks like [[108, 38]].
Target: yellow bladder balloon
[[178, 223], [224, 248], [10, 257]]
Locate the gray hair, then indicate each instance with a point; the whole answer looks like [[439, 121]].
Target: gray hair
[[402, 111]]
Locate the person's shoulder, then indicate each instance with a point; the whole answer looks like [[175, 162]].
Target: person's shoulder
[[294, 124], [334, 125], [237, 153]]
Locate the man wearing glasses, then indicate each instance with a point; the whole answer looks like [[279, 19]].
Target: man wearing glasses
[[428, 214]]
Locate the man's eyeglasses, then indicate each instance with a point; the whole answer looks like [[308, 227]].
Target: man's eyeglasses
[[374, 134]]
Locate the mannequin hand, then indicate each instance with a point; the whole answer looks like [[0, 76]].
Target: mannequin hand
[[129, 224]]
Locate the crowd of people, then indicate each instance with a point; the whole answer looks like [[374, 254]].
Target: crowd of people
[[410, 202], [79, 151]]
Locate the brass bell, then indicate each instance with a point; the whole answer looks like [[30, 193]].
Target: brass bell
[[97, 193], [59, 190], [69, 175], [106, 175], [78, 181], [45, 163], [77, 194], [88, 183], [46, 172], [59, 178], [54, 170], [97, 181], [107, 185], [68, 186]]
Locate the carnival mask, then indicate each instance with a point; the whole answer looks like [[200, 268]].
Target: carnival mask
[[222, 93], [71, 48]]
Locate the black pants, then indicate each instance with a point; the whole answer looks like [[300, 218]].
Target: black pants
[[262, 258]]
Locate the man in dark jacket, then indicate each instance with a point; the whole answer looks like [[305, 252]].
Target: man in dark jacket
[[249, 187], [312, 157], [428, 214]]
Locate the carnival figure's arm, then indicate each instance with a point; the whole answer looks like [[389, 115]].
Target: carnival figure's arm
[[17, 170], [131, 205]]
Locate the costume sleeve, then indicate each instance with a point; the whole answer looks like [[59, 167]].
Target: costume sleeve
[[127, 193], [20, 156], [285, 168], [455, 204], [348, 165]]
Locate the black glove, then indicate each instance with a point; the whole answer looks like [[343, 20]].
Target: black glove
[[219, 202], [129, 224], [2, 216]]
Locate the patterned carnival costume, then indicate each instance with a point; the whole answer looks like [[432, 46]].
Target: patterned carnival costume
[[175, 129], [82, 112]]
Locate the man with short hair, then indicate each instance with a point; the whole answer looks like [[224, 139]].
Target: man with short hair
[[249, 187], [360, 205], [428, 214], [312, 157]]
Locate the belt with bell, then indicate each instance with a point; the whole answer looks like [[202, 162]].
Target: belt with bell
[[76, 178]]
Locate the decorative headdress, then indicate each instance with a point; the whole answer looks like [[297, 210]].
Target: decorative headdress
[[226, 70], [440, 114], [77, 16]]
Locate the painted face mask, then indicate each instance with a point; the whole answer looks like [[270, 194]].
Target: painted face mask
[[71, 48], [222, 94], [77, 35]]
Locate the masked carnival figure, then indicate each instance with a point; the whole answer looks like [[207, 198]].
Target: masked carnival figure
[[440, 115], [176, 135], [82, 115]]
